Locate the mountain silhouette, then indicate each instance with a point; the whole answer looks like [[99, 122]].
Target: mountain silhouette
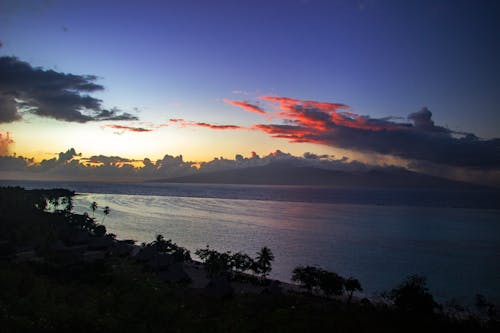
[[279, 173]]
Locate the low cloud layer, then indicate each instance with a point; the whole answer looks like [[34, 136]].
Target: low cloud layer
[[73, 166], [51, 94]]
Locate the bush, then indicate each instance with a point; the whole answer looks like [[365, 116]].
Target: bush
[[413, 296], [100, 230]]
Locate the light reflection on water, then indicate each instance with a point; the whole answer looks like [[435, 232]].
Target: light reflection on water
[[457, 249]]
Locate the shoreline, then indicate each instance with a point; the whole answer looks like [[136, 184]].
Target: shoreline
[[48, 259]]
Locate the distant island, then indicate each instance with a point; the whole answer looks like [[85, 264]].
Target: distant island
[[286, 174]]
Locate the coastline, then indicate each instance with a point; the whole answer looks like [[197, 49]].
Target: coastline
[[71, 254]]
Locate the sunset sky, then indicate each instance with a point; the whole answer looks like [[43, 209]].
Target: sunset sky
[[392, 81]]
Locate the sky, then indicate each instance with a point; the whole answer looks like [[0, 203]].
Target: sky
[[411, 83]]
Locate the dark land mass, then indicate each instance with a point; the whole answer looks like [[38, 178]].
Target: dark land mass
[[285, 174], [62, 272]]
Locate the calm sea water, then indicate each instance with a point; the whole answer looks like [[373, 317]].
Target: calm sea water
[[377, 236]]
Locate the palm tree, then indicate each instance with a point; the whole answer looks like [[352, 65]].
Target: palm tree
[[264, 258], [105, 211], [93, 206]]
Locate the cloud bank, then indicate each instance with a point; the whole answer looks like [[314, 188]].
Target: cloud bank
[[71, 165], [50, 94], [419, 139]]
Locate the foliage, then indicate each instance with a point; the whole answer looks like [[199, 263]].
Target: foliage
[[330, 283], [93, 207], [216, 263], [105, 212], [242, 262], [100, 230], [413, 296], [263, 262], [351, 285], [168, 247], [307, 276]]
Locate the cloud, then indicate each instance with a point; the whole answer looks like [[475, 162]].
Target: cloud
[[68, 155], [217, 127], [5, 143], [246, 106], [420, 139], [116, 168], [312, 156], [129, 128], [51, 94], [184, 123], [106, 160]]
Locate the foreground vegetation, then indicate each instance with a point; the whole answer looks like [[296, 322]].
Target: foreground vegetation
[[61, 271]]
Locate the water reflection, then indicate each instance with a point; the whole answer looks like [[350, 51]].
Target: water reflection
[[457, 249]]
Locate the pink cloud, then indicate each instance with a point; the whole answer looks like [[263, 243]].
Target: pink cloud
[[246, 106]]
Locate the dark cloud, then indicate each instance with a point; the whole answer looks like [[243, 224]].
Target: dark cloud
[[50, 94], [68, 155], [8, 109], [324, 123], [184, 123], [106, 160], [102, 167], [129, 128], [246, 106], [312, 156], [217, 127]]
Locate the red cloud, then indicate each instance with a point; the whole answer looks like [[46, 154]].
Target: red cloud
[[129, 128], [323, 115], [246, 106]]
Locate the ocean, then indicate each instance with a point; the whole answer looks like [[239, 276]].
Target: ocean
[[379, 236]]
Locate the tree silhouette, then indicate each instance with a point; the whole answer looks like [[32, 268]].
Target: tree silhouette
[[307, 277], [413, 296], [100, 230], [330, 283], [67, 201], [216, 263], [93, 207], [264, 259], [168, 247], [105, 211], [242, 262], [351, 285]]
